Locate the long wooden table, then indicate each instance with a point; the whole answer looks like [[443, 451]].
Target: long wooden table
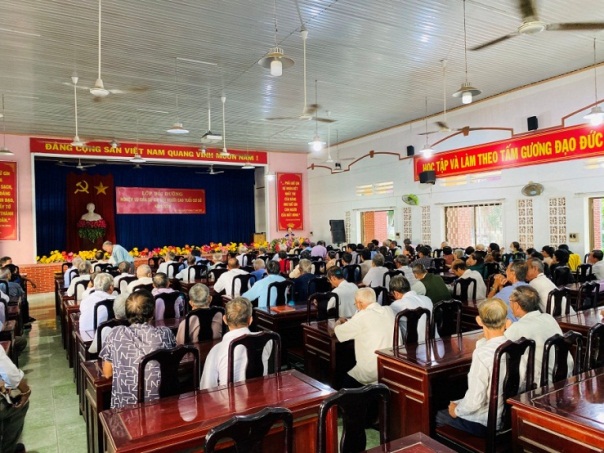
[[325, 357], [181, 422], [580, 322], [97, 393], [566, 416], [423, 378], [573, 292]]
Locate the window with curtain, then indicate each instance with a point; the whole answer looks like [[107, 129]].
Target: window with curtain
[[474, 224]]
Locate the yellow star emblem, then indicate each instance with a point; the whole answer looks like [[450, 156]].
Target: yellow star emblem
[[101, 189]]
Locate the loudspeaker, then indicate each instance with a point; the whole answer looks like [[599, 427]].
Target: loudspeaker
[[427, 177], [338, 232], [410, 150], [532, 123]]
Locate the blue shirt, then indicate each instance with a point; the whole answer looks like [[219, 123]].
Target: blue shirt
[[120, 254], [504, 295], [260, 289]]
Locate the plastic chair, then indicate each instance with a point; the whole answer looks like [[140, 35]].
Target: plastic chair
[[555, 299], [589, 295], [65, 266], [249, 431], [124, 282], [79, 288], [108, 304], [169, 301], [205, 316], [322, 300], [492, 269], [446, 318], [154, 262], [214, 274], [513, 351], [284, 290], [411, 336], [142, 287], [319, 267], [110, 324], [100, 267], [254, 347], [352, 405], [569, 343], [352, 273], [169, 361], [461, 289], [173, 269], [595, 347]]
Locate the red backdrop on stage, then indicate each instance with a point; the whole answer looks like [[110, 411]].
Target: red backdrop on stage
[[82, 189]]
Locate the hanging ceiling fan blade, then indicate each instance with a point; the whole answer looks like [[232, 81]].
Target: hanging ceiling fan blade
[[494, 41], [444, 127], [429, 132], [282, 118], [574, 26], [324, 120], [527, 10]]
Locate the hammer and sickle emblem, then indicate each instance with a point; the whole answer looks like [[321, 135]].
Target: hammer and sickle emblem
[[82, 186]]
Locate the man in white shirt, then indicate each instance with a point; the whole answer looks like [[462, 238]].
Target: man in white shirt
[[67, 275], [405, 298], [225, 281], [84, 269], [375, 276], [345, 290], [401, 263], [366, 263], [124, 268], [238, 317], [371, 329], [163, 267], [534, 325], [542, 284], [460, 268], [183, 275], [597, 265], [103, 289]]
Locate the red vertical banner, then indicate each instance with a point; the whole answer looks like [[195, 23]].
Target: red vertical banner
[[290, 210], [8, 201]]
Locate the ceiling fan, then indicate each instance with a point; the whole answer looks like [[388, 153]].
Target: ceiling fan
[[531, 25], [79, 166], [76, 139], [309, 111], [443, 126], [209, 136], [210, 171]]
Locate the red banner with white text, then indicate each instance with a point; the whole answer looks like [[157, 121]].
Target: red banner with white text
[[152, 200], [290, 210], [103, 150], [557, 145], [8, 201]]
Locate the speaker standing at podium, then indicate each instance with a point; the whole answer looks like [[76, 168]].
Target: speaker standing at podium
[[290, 234]]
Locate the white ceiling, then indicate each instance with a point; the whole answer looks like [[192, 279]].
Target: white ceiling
[[375, 62]]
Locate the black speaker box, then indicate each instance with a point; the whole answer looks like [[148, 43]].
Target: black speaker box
[[427, 177], [338, 232], [410, 150], [532, 123]]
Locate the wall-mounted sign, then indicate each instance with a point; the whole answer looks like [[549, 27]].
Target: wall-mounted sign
[[151, 200], [290, 210], [8, 201], [556, 145]]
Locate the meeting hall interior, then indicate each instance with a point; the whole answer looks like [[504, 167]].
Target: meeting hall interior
[[257, 167]]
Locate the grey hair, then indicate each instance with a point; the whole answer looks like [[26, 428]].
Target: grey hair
[[366, 296], [199, 295], [305, 266], [103, 281]]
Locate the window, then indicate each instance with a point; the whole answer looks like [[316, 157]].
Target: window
[[474, 224], [377, 225], [380, 188]]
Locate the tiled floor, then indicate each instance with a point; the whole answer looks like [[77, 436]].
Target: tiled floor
[[53, 423]]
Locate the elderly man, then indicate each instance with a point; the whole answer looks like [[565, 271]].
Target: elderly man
[[225, 281], [461, 269], [119, 309], [183, 275], [118, 254], [345, 290], [103, 290], [84, 270], [124, 269], [160, 286], [430, 285], [143, 277], [542, 284], [259, 269], [401, 263], [534, 325], [163, 267], [371, 329], [319, 250], [375, 276], [12, 417], [405, 298], [260, 289], [199, 297], [515, 275], [125, 346], [67, 274], [597, 265], [238, 317], [366, 263]]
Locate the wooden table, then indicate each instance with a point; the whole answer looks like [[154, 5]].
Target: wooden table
[[566, 416], [580, 322], [423, 378], [181, 422], [573, 291], [415, 443], [325, 357], [287, 322], [97, 393]]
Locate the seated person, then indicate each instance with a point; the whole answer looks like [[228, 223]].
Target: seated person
[[430, 285], [423, 257], [160, 286], [14, 289], [225, 281], [371, 329], [404, 298], [163, 267], [103, 289], [375, 276], [461, 269], [401, 263], [260, 289], [301, 283], [119, 309], [215, 371], [99, 257], [199, 297], [67, 274], [183, 275], [560, 261], [537, 280], [125, 346], [295, 273], [124, 269], [143, 277], [331, 259], [597, 265], [366, 262], [471, 413], [345, 290], [515, 276], [259, 269], [216, 260], [84, 269], [475, 262], [448, 256]]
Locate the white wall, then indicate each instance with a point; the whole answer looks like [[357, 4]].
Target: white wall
[[332, 195]]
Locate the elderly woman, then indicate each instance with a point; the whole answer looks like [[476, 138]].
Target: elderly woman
[[301, 283], [199, 297]]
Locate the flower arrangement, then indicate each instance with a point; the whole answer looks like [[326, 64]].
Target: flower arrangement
[[91, 229]]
